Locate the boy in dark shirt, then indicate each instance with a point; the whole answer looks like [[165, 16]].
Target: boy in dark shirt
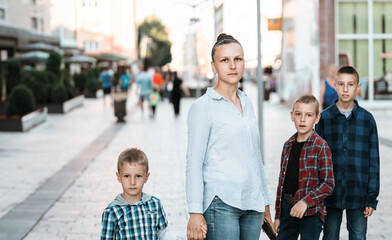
[[306, 176], [351, 133]]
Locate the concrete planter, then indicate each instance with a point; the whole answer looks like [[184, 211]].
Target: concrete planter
[[66, 106], [24, 123], [90, 95]]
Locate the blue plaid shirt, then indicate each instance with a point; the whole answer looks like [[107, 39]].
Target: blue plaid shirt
[[142, 221], [354, 145]]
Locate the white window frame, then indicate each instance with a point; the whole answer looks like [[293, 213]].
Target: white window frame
[[370, 37]]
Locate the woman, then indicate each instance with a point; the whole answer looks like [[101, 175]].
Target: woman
[[328, 94], [225, 182]]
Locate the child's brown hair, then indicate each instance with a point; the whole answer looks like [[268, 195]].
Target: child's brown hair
[[132, 155], [307, 99]]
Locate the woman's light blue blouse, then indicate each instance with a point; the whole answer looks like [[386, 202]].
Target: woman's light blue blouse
[[223, 157]]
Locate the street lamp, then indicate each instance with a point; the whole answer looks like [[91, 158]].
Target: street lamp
[[260, 85]]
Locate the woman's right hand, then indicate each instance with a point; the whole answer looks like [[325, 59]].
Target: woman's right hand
[[276, 225], [196, 227]]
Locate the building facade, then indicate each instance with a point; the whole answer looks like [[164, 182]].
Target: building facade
[[23, 22], [349, 32], [107, 26]]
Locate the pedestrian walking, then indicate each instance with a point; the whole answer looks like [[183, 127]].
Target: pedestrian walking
[[225, 182], [178, 90], [154, 99], [125, 80], [351, 133], [106, 79], [144, 81], [306, 176]]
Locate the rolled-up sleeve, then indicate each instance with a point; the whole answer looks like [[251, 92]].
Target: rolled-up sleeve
[[198, 135]]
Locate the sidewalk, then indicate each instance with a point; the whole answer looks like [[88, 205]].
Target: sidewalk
[[29, 159]]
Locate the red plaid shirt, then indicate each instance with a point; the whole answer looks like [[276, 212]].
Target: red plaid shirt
[[316, 179]]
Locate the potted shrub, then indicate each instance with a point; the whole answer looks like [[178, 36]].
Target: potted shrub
[[20, 111], [80, 80], [12, 75]]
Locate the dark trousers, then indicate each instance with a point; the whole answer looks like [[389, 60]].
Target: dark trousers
[[308, 227], [176, 105]]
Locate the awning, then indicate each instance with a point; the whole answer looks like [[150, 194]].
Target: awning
[[110, 57], [81, 59], [40, 46], [31, 57]]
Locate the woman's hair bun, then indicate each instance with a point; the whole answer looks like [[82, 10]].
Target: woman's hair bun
[[224, 36]]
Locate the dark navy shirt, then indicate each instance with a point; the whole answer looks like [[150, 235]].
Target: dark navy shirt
[[354, 145]]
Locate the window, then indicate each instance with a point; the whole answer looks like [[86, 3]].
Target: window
[[364, 39], [91, 46], [2, 13], [34, 23]]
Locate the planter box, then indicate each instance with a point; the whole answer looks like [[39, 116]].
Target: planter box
[[66, 106], [90, 95], [97, 94], [24, 123]]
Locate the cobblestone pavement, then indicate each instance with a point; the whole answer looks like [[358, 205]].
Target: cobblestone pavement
[[30, 159]]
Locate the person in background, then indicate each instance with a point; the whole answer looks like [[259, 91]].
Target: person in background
[[176, 94], [158, 80], [144, 81], [106, 79], [154, 99], [328, 94], [125, 81]]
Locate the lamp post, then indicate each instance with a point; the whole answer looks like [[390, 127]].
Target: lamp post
[[260, 84]]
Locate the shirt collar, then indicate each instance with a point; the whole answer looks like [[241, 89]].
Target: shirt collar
[[145, 198], [310, 138], [336, 110], [215, 95]]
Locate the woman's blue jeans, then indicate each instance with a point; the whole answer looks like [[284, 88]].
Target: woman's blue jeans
[[309, 227], [230, 223], [356, 224]]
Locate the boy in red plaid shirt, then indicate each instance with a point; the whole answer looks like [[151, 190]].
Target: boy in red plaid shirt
[[306, 176]]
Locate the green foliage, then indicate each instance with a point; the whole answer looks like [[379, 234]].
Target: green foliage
[[39, 83], [80, 80], [53, 64], [92, 85], [59, 94], [21, 101], [159, 53], [93, 73], [13, 75], [68, 85]]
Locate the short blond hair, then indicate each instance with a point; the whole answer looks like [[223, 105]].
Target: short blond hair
[[132, 155], [307, 99]]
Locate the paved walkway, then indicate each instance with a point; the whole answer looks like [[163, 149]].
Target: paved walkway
[[75, 154]]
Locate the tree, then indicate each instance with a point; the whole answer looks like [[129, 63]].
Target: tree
[[158, 54]]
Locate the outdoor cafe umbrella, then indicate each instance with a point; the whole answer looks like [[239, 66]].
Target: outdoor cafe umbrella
[[40, 46], [81, 59], [32, 57]]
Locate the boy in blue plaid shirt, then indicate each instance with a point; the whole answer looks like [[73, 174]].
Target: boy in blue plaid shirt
[[133, 214], [351, 134]]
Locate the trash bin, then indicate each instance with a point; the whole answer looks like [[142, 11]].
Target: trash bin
[[120, 103]]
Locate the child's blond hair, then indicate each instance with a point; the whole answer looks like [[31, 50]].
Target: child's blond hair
[[132, 155], [307, 99]]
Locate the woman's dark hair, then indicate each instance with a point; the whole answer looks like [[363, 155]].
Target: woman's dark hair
[[222, 39]]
